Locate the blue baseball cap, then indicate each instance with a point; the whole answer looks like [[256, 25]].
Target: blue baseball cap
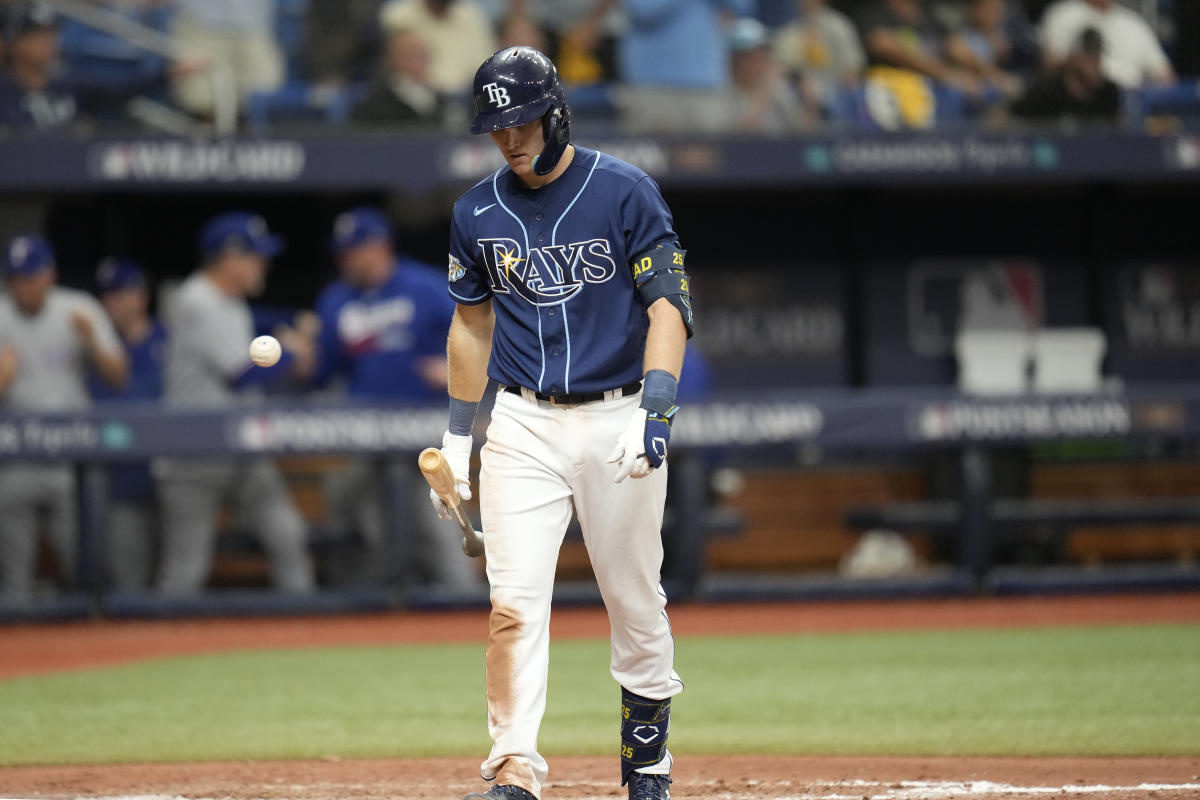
[[359, 226], [20, 18], [114, 274], [238, 232], [28, 255]]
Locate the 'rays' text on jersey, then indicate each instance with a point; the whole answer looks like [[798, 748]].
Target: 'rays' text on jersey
[[548, 275]]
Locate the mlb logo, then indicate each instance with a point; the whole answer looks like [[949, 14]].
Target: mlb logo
[[946, 297]]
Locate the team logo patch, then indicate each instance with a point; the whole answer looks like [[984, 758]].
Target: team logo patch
[[456, 270]]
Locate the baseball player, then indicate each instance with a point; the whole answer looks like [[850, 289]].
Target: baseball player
[[572, 296], [208, 366], [132, 505], [50, 338], [383, 334]]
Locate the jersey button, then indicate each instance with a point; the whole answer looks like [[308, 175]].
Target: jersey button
[[550, 312], [554, 352], [538, 217], [541, 237], [554, 389]]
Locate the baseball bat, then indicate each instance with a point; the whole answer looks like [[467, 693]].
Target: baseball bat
[[437, 472]]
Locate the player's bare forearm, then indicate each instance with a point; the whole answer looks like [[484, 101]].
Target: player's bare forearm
[[468, 348], [666, 339], [8, 367], [112, 367]]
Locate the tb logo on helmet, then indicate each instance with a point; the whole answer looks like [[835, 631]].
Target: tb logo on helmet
[[497, 94]]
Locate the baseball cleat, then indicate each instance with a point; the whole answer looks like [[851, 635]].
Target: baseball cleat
[[649, 787], [501, 793]]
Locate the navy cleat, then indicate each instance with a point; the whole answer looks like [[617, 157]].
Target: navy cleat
[[503, 793], [649, 787]]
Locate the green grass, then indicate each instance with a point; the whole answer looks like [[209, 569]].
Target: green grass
[[1081, 691]]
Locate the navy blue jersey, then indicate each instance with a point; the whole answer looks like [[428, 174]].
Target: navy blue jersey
[[556, 262], [145, 369], [133, 482], [375, 337]]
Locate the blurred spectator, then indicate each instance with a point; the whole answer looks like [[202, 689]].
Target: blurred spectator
[[50, 337], [35, 90], [208, 366], [383, 333], [764, 101], [341, 41], [133, 508], [902, 34], [997, 32], [675, 64], [98, 53], [982, 47], [581, 35], [239, 34], [402, 94], [521, 31], [459, 36], [1075, 89], [1133, 56], [821, 52]]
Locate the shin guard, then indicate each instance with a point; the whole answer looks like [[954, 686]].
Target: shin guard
[[644, 725]]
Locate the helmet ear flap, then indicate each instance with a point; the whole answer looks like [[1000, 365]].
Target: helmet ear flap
[[556, 133]]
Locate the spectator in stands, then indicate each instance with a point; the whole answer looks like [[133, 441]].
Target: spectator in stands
[[581, 35], [50, 338], [763, 99], [383, 336], [37, 93], [998, 33], [90, 50], [903, 35], [459, 36], [133, 508], [341, 41], [208, 366], [1077, 89], [675, 64], [981, 46], [402, 94], [236, 34], [821, 52], [1133, 56], [522, 31]]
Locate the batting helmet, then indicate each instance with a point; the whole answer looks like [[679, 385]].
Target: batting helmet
[[516, 86]]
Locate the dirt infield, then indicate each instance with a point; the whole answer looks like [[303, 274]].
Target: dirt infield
[[42, 648], [713, 778]]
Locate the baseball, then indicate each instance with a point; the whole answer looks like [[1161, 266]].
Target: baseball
[[265, 351]]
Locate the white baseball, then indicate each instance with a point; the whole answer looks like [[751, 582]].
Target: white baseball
[[265, 351]]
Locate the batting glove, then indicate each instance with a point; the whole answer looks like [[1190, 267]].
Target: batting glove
[[643, 445], [457, 450]]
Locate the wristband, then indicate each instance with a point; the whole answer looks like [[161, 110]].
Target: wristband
[[658, 391], [462, 416]]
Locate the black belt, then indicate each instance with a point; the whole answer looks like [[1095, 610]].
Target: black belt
[[572, 398]]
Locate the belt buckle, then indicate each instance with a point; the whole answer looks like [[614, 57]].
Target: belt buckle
[[554, 400]]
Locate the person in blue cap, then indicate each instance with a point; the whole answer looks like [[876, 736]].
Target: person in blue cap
[[383, 338], [50, 339], [208, 365], [133, 507]]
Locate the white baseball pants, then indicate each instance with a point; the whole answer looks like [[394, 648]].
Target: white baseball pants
[[539, 462]]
